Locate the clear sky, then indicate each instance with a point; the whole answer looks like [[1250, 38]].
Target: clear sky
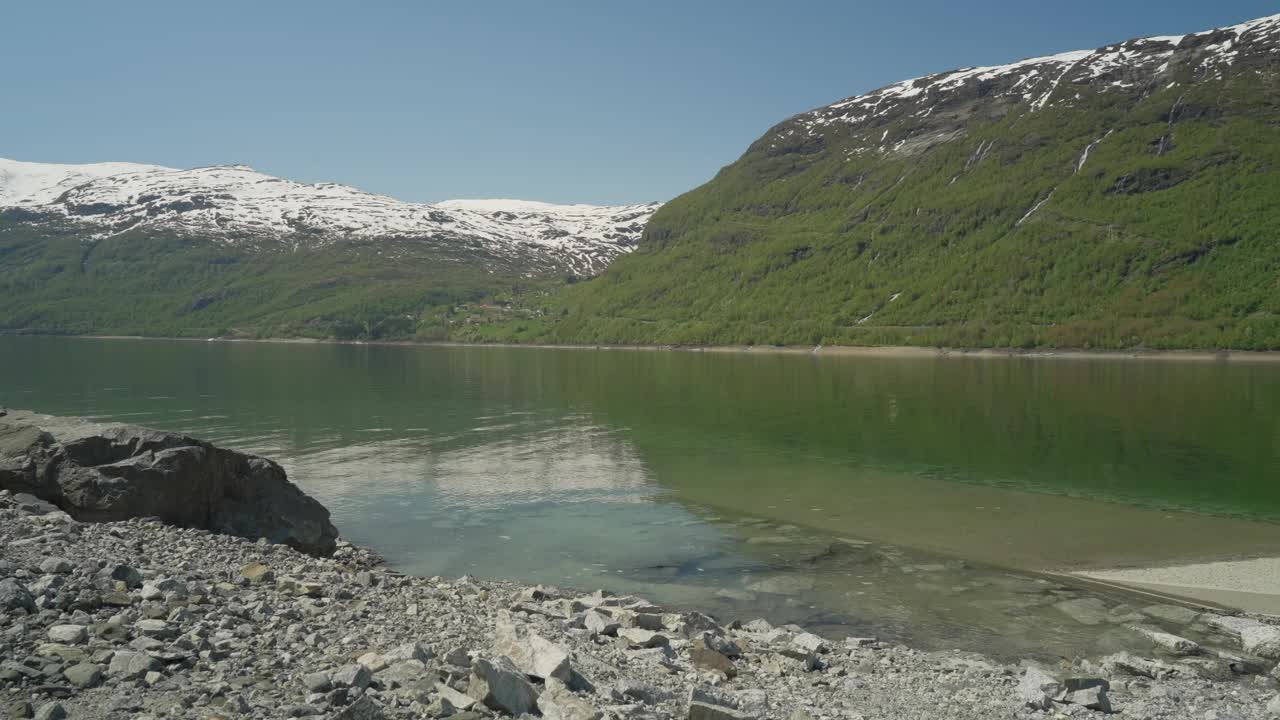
[[589, 101]]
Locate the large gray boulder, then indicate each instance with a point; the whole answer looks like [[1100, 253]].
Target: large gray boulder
[[499, 684], [99, 473]]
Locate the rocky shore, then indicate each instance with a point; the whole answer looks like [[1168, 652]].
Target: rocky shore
[[141, 618]]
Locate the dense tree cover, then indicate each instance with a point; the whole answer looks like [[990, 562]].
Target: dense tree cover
[[54, 280], [1168, 236]]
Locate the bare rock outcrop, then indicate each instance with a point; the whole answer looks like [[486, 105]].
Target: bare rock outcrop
[[99, 473]]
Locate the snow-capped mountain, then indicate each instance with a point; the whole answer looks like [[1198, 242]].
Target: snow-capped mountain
[[936, 107], [1109, 198], [238, 205]]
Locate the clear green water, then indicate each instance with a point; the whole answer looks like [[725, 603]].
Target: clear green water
[[912, 498]]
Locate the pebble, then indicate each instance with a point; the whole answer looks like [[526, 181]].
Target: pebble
[[83, 675], [352, 676], [68, 634], [51, 711], [55, 565]]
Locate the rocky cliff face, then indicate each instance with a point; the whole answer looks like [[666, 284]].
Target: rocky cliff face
[[115, 472]]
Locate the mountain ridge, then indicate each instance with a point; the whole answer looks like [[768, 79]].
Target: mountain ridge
[[1216, 46], [1112, 198], [233, 204], [131, 249]]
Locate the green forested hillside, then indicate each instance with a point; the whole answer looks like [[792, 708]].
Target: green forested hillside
[[1180, 249], [1138, 208], [154, 283], [1119, 198]]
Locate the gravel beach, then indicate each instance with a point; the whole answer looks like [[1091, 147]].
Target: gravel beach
[[142, 619], [1253, 584], [146, 574]]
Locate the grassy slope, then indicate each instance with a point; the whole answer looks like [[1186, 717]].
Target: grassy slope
[[1140, 248]]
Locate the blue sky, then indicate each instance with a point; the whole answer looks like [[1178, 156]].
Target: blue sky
[[562, 101]]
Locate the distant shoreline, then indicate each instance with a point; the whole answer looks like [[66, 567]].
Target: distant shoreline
[[1251, 584], [884, 351]]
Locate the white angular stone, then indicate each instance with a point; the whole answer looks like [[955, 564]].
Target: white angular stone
[[639, 637], [532, 653], [1256, 637], [600, 624], [558, 702], [1173, 643], [453, 701], [500, 685], [1038, 689], [810, 642], [372, 660], [68, 634], [1262, 640]]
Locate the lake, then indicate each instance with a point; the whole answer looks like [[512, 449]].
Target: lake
[[918, 499]]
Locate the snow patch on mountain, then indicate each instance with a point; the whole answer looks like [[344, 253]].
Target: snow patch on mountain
[[236, 204], [1041, 81], [33, 184]]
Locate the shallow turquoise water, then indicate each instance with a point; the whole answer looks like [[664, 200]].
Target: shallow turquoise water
[[744, 484]]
